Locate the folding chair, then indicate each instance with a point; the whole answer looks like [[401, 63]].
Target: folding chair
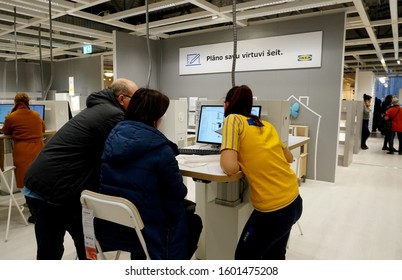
[[10, 188], [117, 210]]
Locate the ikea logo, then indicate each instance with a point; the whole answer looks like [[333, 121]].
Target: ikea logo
[[305, 57]]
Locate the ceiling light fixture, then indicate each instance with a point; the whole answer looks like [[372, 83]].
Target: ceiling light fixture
[[398, 61], [108, 74], [215, 17]]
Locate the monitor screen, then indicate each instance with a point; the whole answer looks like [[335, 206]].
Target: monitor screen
[[210, 124], [211, 121], [38, 108], [5, 109], [256, 110]]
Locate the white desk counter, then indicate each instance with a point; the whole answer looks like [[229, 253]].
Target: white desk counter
[[297, 141], [205, 168], [222, 224]]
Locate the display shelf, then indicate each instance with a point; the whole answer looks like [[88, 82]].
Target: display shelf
[[349, 131], [300, 165]]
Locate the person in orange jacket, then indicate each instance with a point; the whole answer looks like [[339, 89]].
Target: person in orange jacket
[[26, 128]]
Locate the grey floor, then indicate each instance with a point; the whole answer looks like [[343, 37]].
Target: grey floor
[[357, 217]]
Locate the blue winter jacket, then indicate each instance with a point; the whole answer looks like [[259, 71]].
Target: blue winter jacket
[[139, 163]]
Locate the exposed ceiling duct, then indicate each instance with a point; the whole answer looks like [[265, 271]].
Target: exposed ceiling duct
[[372, 26]]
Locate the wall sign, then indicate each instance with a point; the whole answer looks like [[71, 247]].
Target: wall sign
[[71, 86], [87, 49], [281, 52]]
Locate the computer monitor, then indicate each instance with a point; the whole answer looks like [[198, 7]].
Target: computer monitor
[[38, 108], [256, 110], [211, 121], [5, 109], [209, 124]]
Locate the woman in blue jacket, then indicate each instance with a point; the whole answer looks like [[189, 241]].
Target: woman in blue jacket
[[139, 164]]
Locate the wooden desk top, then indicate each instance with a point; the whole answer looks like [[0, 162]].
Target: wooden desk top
[[205, 168], [208, 167]]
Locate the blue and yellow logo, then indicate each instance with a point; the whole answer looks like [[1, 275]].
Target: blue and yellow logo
[[305, 57]]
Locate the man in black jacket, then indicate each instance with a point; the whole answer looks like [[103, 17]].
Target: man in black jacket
[[68, 164]]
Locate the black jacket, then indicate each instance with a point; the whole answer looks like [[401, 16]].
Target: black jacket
[[70, 161]]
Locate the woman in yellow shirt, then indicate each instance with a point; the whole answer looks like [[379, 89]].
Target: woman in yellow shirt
[[253, 146]]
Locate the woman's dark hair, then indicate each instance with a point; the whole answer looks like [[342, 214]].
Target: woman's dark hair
[[147, 106], [366, 97], [239, 100], [388, 100]]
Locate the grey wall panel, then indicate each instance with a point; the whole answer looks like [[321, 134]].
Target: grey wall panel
[[87, 73], [28, 79], [322, 85], [131, 59]]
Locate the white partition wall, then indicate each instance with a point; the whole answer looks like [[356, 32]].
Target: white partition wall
[[174, 122], [277, 113], [364, 84], [56, 113]]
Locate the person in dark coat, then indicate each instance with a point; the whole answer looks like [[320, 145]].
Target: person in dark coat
[[139, 164], [68, 164], [366, 119], [376, 114]]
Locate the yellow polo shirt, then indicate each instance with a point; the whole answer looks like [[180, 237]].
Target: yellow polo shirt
[[273, 184]]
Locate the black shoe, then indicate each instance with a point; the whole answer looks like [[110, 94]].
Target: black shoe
[[390, 152], [385, 148], [31, 220], [394, 150], [399, 153], [364, 147]]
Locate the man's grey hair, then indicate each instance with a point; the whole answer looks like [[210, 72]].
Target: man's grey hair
[[121, 86]]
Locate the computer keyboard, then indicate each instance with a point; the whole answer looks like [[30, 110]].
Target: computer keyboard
[[201, 152]]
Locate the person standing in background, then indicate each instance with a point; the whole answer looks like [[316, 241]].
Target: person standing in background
[[68, 164], [376, 114], [394, 113], [366, 119], [26, 128], [387, 133]]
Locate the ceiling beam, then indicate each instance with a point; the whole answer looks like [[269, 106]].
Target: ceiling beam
[[367, 25], [393, 6]]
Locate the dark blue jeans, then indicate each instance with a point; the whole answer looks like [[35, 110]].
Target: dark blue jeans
[[266, 234], [365, 132], [52, 222], [391, 141]]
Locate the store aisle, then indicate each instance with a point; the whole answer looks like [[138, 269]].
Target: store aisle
[[357, 217]]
